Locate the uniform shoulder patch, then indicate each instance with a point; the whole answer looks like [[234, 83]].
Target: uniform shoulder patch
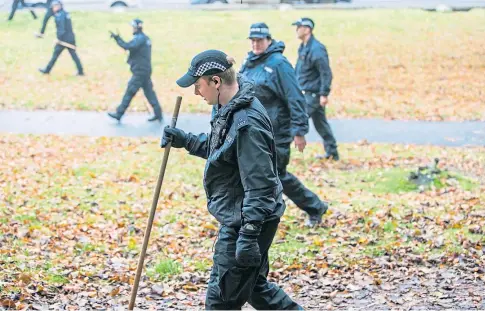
[[241, 119], [268, 69]]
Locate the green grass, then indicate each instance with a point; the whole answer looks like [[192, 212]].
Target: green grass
[[395, 180], [374, 251], [420, 248], [164, 269], [57, 279], [387, 181], [390, 226], [361, 43], [202, 265], [465, 183]]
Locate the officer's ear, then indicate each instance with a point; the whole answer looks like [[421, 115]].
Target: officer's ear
[[217, 81]]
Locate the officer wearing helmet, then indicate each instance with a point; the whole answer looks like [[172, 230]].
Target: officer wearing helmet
[[65, 35], [140, 61]]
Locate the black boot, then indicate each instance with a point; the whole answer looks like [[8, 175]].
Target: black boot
[[155, 118], [43, 71], [115, 115], [157, 110], [334, 156], [316, 219], [329, 156]]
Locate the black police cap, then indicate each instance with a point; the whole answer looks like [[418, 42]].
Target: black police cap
[[209, 62]]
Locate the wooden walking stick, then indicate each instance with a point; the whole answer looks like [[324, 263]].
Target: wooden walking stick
[[156, 195], [65, 44]]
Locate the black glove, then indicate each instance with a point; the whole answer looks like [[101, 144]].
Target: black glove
[[113, 35], [174, 135], [247, 248]]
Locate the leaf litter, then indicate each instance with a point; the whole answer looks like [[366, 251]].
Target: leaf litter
[[73, 212]]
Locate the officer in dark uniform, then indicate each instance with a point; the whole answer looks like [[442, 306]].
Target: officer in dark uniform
[[48, 14], [241, 182], [278, 91], [140, 61], [315, 79], [15, 5], [64, 34]]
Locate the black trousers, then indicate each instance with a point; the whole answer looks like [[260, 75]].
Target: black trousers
[[136, 82], [48, 14], [57, 51], [231, 286], [15, 4], [292, 186], [317, 113]]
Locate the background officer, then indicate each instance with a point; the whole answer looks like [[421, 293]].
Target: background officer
[[278, 91], [65, 34], [15, 5], [140, 61], [315, 79]]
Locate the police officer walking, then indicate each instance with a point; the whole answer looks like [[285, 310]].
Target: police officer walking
[[278, 91], [65, 35], [15, 5], [140, 61], [315, 79], [241, 182]]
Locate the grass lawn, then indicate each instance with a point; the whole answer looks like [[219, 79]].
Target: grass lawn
[[402, 64], [73, 211]]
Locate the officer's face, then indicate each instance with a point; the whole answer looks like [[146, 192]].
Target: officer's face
[[206, 90], [302, 32], [259, 45], [56, 8]]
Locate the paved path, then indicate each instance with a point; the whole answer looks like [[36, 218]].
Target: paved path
[[135, 125]]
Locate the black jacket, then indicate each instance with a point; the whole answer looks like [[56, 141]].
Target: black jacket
[[140, 58], [277, 89], [240, 177], [313, 68], [64, 27]]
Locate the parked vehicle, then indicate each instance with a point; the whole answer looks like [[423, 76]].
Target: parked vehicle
[[107, 3], [208, 2], [265, 1]]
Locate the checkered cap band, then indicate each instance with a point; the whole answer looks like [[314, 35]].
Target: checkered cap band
[[305, 22], [207, 66], [262, 30], [135, 23]]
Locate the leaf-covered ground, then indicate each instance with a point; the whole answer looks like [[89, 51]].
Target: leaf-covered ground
[[73, 211], [397, 64]]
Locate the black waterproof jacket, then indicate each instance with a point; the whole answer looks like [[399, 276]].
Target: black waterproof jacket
[[277, 89], [64, 27], [140, 58], [313, 68], [240, 178]]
